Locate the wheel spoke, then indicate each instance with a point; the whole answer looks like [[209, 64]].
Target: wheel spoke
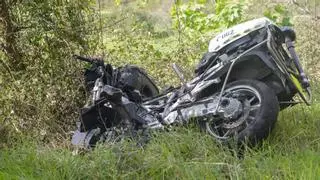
[[217, 126], [236, 134], [252, 99], [227, 133], [254, 107]]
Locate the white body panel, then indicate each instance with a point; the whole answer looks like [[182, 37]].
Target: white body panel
[[230, 35]]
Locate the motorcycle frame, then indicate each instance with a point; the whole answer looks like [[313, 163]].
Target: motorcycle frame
[[275, 61], [271, 58]]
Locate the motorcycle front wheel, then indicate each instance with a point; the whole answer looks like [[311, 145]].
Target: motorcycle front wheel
[[256, 118]]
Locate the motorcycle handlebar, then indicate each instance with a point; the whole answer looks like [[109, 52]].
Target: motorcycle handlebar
[[96, 61]]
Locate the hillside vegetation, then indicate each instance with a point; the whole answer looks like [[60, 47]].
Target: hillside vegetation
[[41, 88]]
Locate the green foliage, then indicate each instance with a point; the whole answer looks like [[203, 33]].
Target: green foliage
[[43, 98], [140, 3], [140, 40], [279, 14], [230, 13], [41, 103], [117, 2], [192, 16], [195, 15]]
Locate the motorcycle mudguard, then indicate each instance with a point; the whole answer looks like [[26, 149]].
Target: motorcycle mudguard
[[257, 54]]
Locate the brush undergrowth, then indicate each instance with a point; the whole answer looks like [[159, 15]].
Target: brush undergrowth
[[35, 136]]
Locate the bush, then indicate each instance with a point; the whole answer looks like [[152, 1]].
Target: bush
[[40, 97]]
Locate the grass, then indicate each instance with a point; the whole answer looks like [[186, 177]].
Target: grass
[[290, 152]]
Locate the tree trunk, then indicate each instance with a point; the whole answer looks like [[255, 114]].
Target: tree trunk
[[10, 46]]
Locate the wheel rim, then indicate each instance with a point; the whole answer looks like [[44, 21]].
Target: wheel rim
[[251, 101]]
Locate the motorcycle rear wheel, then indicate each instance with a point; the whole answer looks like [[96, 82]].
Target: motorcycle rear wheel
[[260, 112]]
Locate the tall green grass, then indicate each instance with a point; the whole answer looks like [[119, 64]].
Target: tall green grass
[[291, 152]]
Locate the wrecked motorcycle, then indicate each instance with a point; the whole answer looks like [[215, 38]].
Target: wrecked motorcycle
[[249, 74]]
